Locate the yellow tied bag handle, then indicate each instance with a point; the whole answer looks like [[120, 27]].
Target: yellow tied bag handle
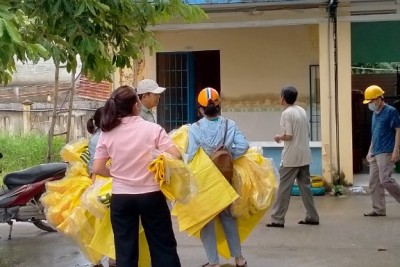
[[158, 167]]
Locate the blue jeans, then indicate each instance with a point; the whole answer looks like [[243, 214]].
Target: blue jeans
[[208, 237]]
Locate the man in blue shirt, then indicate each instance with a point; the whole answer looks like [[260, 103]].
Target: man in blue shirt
[[383, 151]]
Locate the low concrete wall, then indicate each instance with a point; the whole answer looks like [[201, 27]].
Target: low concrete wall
[[274, 151], [28, 117]]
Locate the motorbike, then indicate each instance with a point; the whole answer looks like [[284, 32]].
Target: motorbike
[[21, 192]]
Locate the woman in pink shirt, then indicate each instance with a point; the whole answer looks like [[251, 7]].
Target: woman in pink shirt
[[129, 141]]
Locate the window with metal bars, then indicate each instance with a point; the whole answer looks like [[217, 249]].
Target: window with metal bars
[[173, 72], [315, 109]]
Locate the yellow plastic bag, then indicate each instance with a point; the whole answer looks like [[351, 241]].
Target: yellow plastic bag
[[80, 211], [62, 196], [104, 193], [90, 198], [214, 195], [103, 238], [76, 151], [175, 179], [179, 136], [82, 227], [64, 211], [255, 182], [103, 242], [213, 191]]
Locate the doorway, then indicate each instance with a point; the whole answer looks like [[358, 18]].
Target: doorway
[[184, 74]]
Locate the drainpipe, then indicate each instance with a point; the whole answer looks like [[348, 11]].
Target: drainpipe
[[332, 11]]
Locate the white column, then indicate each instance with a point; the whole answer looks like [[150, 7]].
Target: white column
[[345, 110], [327, 94]]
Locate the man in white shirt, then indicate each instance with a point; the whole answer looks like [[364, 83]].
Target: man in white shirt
[[295, 162], [149, 94]]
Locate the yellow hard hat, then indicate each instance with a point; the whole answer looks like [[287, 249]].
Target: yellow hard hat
[[207, 94], [371, 93]]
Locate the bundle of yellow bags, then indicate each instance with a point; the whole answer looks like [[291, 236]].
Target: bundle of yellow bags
[[64, 210], [79, 209], [251, 194], [177, 181]]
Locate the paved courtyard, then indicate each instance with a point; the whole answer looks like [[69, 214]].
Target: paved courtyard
[[344, 238]]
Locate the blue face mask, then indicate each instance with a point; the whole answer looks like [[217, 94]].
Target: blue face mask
[[372, 106]]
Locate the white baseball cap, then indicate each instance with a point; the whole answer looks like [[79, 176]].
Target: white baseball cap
[[149, 86]]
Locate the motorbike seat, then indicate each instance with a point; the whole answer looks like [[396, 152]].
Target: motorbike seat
[[34, 174]]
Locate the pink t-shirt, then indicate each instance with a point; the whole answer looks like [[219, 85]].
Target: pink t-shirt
[[130, 146]]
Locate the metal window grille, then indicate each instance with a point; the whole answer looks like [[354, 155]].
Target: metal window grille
[[174, 72], [315, 109]]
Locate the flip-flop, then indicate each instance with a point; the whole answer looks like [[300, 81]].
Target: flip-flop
[[279, 225], [308, 222], [373, 214], [244, 264]]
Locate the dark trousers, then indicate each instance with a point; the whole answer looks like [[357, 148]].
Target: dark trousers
[[154, 214]]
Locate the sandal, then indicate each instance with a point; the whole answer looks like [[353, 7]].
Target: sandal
[[205, 265], [279, 225], [308, 222], [244, 264], [373, 214]]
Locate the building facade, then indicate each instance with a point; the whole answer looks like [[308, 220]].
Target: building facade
[[248, 50]]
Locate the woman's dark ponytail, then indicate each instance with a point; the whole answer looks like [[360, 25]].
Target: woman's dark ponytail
[[118, 106], [212, 110]]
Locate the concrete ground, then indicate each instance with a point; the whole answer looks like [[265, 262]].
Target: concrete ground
[[361, 179], [344, 238]]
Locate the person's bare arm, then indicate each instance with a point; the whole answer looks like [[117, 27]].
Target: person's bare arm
[[395, 154], [368, 157], [283, 137], [174, 152], [100, 167]]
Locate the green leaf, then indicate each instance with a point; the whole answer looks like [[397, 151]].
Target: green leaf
[[91, 9], [55, 9], [1, 28], [103, 7], [12, 32], [80, 9], [41, 51]]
